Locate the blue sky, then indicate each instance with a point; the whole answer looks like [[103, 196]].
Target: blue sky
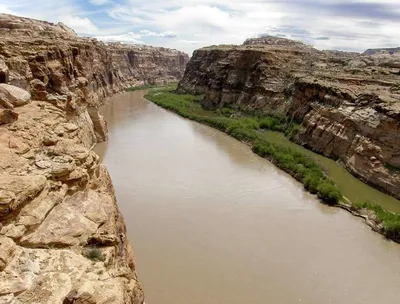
[[352, 25]]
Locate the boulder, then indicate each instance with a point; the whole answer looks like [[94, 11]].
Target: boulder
[[14, 144], [11, 96], [7, 116], [84, 212], [15, 190]]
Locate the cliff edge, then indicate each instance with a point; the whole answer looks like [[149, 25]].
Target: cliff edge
[[62, 237], [348, 104]]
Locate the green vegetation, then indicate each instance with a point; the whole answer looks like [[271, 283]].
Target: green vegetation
[[247, 129], [250, 128], [389, 220], [351, 187], [138, 88], [148, 86], [93, 254], [303, 168]]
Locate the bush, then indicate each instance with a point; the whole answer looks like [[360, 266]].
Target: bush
[[242, 134], [300, 171], [93, 254], [262, 148], [285, 161], [311, 182], [271, 123], [244, 123], [243, 129], [329, 193]]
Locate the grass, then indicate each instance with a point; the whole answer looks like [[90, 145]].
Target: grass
[[389, 220], [247, 127], [148, 86]]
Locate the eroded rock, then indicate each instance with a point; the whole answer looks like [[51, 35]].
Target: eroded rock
[[15, 190], [84, 212], [7, 116], [7, 248], [12, 96]]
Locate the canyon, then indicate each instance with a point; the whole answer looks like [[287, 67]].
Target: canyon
[[348, 104], [62, 237]]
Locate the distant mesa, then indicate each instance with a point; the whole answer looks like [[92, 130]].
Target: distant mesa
[[391, 51], [272, 40]]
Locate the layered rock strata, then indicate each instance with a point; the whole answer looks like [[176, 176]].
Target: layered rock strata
[[62, 237], [348, 103]]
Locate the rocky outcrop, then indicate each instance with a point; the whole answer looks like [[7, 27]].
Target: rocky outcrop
[[62, 237], [74, 73], [348, 104]]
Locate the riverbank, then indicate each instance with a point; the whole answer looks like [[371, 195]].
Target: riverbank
[[250, 128], [201, 208]]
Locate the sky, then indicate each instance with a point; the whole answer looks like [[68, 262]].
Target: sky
[[349, 25]]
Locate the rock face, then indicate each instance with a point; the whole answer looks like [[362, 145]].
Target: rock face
[[62, 237], [348, 104], [76, 74]]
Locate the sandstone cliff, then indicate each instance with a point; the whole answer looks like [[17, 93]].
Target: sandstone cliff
[[62, 238], [348, 104]]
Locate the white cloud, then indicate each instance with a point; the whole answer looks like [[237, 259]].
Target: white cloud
[[168, 34], [80, 25], [223, 21], [343, 24], [130, 38], [189, 41], [4, 10]]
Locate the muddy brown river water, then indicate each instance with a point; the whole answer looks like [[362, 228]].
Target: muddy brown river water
[[213, 223]]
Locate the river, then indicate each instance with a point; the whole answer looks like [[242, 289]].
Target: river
[[213, 223]]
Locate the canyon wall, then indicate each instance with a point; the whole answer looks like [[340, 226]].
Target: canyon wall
[[62, 237], [347, 104]]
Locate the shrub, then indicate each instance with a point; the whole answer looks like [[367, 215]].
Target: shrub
[[392, 229], [271, 123], [93, 254], [300, 171], [285, 160], [242, 133], [243, 129], [329, 193], [311, 182]]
